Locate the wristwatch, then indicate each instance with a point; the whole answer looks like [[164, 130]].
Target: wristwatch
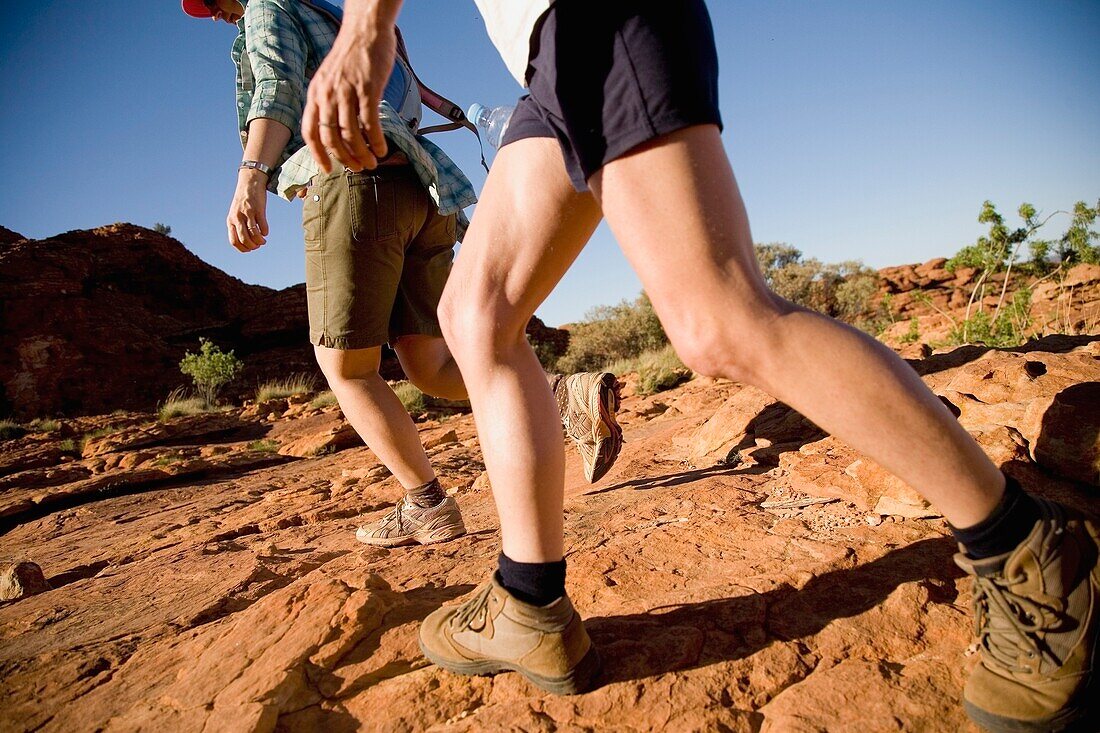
[[257, 165]]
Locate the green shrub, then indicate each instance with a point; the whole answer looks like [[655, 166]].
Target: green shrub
[[325, 399], [293, 385], [547, 354], [68, 446], [612, 332], [178, 403], [1009, 329], [43, 425], [842, 290], [210, 370], [265, 445], [411, 397], [657, 370], [11, 430], [1076, 245], [913, 334]]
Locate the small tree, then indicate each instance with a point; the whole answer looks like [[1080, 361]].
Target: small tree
[[210, 369], [1077, 244], [997, 252], [161, 228]]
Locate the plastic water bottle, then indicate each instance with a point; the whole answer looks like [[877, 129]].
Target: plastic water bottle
[[491, 121]]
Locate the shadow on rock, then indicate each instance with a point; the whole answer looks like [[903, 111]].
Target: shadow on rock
[[1053, 344], [669, 639], [1069, 439], [678, 478]]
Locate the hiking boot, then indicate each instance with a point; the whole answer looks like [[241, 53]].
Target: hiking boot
[[1035, 616], [408, 524], [494, 632], [587, 403]]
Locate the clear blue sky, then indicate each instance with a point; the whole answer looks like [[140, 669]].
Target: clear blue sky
[[858, 130]]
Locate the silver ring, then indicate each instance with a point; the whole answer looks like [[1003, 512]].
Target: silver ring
[[331, 124]]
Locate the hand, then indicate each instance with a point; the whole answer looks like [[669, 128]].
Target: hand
[[341, 115], [247, 219]]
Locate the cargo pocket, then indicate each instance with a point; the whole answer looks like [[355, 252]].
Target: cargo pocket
[[313, 215], [373, 207]]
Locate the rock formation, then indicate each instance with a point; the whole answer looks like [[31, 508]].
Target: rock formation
[[98, 320]]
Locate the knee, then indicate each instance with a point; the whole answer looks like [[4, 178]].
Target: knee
[[340, 368], [474, 327], [734, 348]]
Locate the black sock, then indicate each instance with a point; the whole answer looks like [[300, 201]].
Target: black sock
[[1008, 525], [426, 495], [537, 583]]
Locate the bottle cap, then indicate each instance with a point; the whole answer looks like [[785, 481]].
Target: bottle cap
[[474, 112]]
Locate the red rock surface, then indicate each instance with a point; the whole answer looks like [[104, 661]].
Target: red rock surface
[[734, 568]]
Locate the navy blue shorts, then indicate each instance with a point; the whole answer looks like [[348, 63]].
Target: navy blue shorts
[[606, 76]]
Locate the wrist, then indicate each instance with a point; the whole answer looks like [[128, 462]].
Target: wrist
[[252, 177], [367, 18], [255, 166]]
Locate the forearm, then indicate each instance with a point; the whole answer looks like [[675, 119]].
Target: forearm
[[266, 141]]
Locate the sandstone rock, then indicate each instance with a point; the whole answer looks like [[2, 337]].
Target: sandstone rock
[[445, 438], [21, 579], [194, 427], [1064, 431], [330, 440], [729, 425]]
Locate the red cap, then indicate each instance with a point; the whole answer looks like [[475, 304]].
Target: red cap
[[196, 9]]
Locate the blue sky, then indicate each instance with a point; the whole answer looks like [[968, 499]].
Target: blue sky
[[857, 130]]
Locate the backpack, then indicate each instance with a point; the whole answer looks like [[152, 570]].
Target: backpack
[[401, 92]]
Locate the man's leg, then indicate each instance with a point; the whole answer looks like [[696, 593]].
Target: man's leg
[[428, 363], [529, 227], [680, 189], [426, 514], [1034, 563], [375, 412]]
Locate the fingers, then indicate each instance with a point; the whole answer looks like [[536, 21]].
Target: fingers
[[311, 128], [246, 233], [372, 126], [351, 135], [261, 226]]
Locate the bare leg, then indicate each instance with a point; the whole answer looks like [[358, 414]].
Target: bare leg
[[528, 229], [375, 412], [680, 189], [428, 364]]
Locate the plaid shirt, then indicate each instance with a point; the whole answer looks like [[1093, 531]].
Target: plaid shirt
[[279, 47]]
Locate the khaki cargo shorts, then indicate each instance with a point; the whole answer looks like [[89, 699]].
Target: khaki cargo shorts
[[378, 254]]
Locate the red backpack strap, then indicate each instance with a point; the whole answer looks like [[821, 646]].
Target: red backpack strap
[[439, 104]]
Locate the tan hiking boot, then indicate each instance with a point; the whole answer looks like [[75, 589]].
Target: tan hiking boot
[[1035, 615], [408, 524], [587, 403], [494, 632]]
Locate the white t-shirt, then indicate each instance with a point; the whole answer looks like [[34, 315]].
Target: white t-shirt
[[510, 24]]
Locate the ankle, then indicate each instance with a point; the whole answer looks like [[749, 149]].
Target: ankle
[[426, 495], [1004, 528], [536, 583]]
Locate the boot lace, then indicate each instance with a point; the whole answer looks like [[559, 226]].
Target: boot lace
[[472, 613], [1007, 624]]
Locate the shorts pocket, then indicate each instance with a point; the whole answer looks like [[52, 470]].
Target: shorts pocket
[[373, 207], [313, 220]]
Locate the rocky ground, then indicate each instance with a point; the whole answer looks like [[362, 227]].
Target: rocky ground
[[739, 570]]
